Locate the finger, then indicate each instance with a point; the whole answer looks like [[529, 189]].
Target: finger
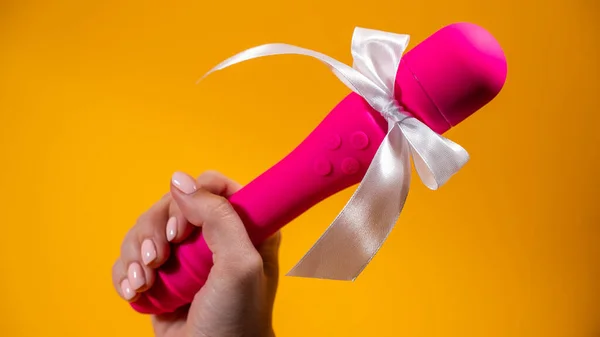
[[134, 273], [144, 248], [178, 228], [222, 228], [121, 282], [217, 183], [150, 237]]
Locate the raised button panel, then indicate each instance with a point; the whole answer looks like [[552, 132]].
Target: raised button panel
[[350, 165], [359, 140], [322, 167], [334, 142]]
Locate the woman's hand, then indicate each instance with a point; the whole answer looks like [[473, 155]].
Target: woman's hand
[[237, 298]]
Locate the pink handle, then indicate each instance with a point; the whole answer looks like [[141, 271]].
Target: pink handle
[[333, 157]]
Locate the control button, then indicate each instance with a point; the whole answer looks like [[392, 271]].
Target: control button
[[322, 167], [359, 140], [350, 165], [333, 142]]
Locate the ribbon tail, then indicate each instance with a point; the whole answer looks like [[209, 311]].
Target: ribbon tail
[[352, 78], [436, 158], [358, 232]]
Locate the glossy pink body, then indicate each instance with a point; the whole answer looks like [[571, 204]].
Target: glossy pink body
[[443, 80]]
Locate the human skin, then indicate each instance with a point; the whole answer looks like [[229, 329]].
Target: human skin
[[237, 298]]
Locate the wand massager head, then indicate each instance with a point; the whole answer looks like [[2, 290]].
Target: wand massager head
[[450, 75]]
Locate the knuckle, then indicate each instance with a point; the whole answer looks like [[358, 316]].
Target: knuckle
[[220, 208], [126, 243], [117, 273], [116, 269], [251, 265], [141, 219], [208, 175], [173, 208]]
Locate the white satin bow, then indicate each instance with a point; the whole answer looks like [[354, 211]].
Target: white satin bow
[[358, 232]]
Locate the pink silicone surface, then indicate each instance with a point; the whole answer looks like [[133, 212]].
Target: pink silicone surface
[[442, 81]]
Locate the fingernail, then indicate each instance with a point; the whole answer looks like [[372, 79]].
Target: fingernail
[[148, 251], [136, 276], [171, 228], [184, 182], [128, 293]]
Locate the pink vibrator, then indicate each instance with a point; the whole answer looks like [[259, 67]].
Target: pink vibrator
[[441, 81]]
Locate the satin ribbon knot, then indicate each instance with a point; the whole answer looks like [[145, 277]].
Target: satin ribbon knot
[[361, 228], [393, 112]]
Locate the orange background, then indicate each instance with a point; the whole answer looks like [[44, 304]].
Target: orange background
[[98, 107]]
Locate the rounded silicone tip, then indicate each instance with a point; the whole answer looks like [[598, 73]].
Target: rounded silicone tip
[[459, 69]]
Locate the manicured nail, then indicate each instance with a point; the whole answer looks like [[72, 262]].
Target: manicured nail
[[171, 228], [148, 251], [184, 182], [136, 276], [128, 293]]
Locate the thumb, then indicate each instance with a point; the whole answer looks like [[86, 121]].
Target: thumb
[[222, 228]]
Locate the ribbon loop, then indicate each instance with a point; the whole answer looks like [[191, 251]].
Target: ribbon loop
[[377, 56], [357, 233]]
